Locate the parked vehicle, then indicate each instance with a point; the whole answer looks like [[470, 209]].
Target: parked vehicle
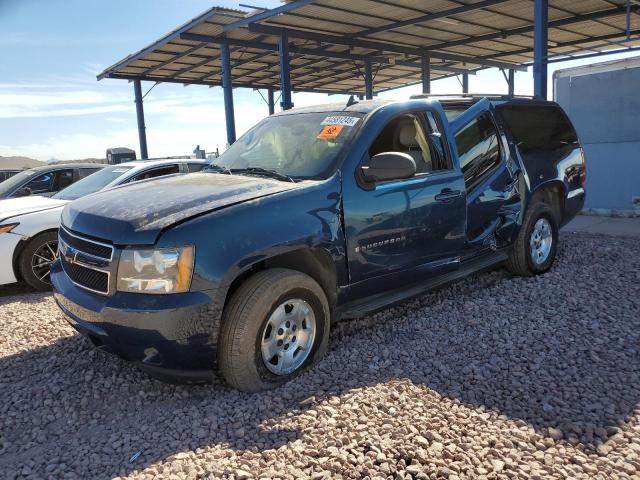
[[120, 155], [28, 226], [46, 180], [7, 173], [315, 215]]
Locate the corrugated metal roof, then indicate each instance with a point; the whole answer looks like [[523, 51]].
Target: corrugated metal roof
[[458, 35]]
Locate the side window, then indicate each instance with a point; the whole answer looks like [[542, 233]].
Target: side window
[[63, 178], [195, 167], [405, 134], [85, 172], [478, 149], [41, 184], [156, 172]]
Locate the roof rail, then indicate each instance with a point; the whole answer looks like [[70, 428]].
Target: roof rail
[[470, 96]]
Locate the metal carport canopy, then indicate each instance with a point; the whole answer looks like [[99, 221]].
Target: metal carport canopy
[[333, 46]]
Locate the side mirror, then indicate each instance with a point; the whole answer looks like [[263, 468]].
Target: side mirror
[[23, 192], [389, 166]]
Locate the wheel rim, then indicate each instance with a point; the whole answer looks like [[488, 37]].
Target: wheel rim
[[287, 338], [541, 241], [42, 259]]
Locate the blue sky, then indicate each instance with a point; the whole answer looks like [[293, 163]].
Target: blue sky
[[51, 105]]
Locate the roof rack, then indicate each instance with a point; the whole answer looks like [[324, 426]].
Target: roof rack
[[470, 96]]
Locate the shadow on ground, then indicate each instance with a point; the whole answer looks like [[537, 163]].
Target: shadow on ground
[[538, 350]]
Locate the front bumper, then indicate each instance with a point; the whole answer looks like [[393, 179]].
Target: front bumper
[[170, 336], [8, 243]]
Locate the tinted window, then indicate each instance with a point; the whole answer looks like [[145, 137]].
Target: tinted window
[[538, 127], [85, 172], [196, 167], [63, 178], [41, 184], [156, 172], [478, 149]]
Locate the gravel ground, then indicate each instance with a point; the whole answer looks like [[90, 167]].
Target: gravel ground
[[494, 377]]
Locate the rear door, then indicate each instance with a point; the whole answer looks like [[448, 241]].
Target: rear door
[[489, 174], [403, 231]]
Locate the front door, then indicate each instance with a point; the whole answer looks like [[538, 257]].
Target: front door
[[406, 230]]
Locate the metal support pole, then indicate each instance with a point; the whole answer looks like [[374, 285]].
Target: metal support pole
[[227, 87], [142, 133], [540, 47], [465, 83], [270, 101], [368, 80], [285, 72], [426, 74], [512, 82]]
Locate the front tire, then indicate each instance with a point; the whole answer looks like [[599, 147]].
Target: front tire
[[534, 250], [275, 326], [36, 258]]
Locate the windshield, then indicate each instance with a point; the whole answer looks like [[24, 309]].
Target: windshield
[[92, 183], [8, 185], [302, 145]]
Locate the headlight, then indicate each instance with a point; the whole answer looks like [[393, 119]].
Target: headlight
[[8, 227], [165, 270]]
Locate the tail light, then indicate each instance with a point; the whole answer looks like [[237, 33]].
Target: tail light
[[583, 173]]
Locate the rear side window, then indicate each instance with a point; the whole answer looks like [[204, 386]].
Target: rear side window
[[195, 167], [478, 149], [85, 172], [157, 172], [538, 127]]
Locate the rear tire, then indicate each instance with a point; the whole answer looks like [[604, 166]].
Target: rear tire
[[534, 250], [36, 259], [275, 326]]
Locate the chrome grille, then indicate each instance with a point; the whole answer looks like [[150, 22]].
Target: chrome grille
[[92, 247], [85, 261]]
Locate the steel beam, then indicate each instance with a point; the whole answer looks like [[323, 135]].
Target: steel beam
[[271, 101], [531, 28], [252, 86], [540, 47], [142, 133], [375, 45], [512, 83], [465, 83], [426, 74], [285, 72], [267, 14], [428, 17], [368, 80], [195, 37], [227, 87]]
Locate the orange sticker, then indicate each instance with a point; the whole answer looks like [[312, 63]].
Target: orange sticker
[[330, 132]]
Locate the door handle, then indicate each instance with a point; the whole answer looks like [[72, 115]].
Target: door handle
[[446, 195]]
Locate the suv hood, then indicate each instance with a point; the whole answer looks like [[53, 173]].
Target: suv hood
[[136, 214], [12, 207]]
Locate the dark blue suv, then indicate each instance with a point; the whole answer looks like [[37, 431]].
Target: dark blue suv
[[315, 215]]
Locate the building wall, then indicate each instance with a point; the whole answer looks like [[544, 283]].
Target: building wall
[[603, 102]]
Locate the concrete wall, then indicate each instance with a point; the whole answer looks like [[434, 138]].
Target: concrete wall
[[603, 102]]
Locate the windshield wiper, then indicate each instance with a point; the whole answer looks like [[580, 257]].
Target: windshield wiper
[[264, 171], [217, 168]]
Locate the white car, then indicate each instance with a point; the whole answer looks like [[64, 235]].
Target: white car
[[29, 225]]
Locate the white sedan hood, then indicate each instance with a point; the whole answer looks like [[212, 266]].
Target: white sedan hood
[[13, 207]]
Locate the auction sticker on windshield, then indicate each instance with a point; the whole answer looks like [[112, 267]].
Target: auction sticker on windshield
[[330, 132], [340, 120]]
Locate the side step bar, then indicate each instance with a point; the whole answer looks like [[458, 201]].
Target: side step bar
[[385, 300]]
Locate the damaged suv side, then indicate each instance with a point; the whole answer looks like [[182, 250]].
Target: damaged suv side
[[315, 215]]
